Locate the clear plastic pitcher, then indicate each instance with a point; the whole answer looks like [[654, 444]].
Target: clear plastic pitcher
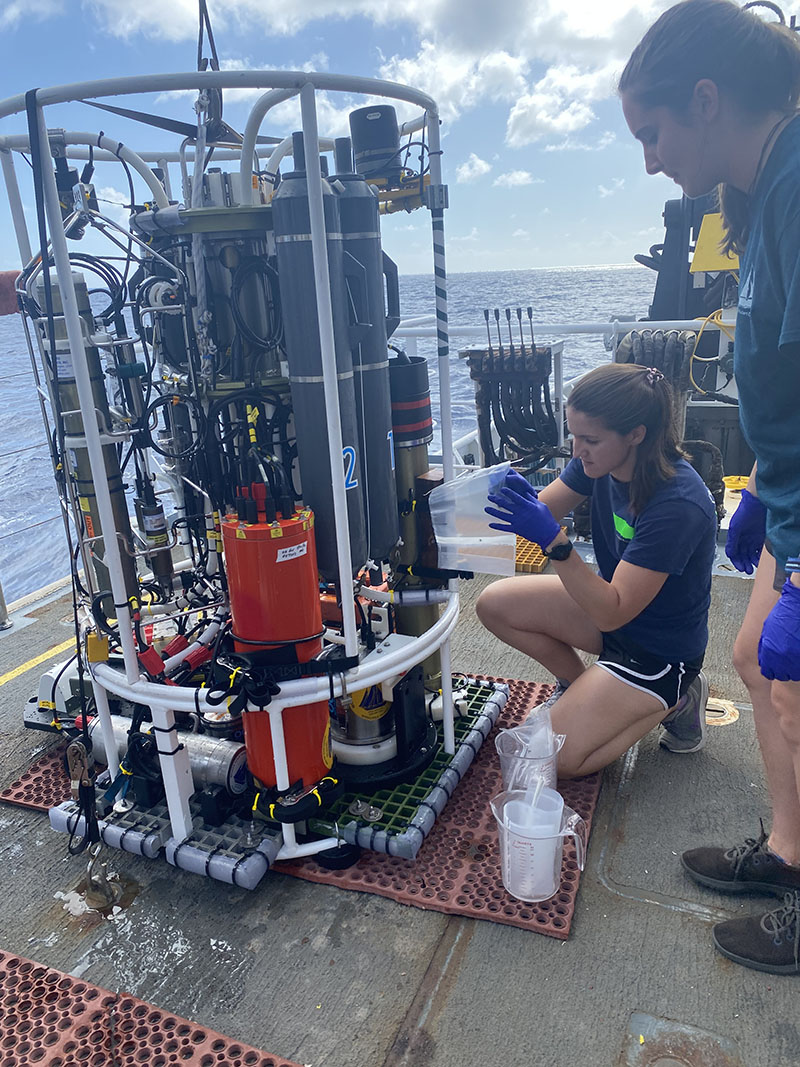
[[463, 536], [522, 761], [532, 842]]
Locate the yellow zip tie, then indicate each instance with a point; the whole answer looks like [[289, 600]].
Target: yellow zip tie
[[255, 803], [57, 725]]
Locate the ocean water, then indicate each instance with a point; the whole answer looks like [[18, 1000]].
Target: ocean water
[[33, 548]]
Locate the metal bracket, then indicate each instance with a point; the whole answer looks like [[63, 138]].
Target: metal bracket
[[436, 197]]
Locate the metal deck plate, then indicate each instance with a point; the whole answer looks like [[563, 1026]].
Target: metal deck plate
[[51, 1019]]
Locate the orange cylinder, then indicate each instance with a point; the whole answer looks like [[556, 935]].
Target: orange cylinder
[[274, 595]]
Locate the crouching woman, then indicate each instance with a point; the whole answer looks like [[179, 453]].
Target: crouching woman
[[645, 615]]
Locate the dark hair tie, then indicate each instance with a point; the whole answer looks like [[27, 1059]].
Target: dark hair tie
[[654, 375]]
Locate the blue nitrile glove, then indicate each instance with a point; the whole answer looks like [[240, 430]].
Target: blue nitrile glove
[[523, 515], [746, 533], [779, 646], [518, 484]]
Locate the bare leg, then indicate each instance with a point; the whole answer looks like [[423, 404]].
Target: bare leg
[[776, 709], [601, 717], [538, 616]]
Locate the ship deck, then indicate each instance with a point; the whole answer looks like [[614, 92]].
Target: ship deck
[[330, 978]]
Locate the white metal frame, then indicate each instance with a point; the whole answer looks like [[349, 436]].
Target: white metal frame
[[376, 667]]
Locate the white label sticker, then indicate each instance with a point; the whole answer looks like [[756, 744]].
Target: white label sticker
[[293, 552]]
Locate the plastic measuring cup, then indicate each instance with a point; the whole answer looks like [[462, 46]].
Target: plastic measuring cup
[[522, 760], [464, 538], [532, 842]]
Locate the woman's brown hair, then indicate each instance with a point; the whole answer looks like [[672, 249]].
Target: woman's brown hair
[[755, 63], [624, 396]]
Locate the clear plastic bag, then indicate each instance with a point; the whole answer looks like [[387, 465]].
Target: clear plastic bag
[[463, 536]]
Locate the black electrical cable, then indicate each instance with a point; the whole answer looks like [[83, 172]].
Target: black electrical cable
[[172, 399], [250, 267]]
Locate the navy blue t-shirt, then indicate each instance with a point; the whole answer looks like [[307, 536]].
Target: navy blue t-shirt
[[767, 341], [675, 533]]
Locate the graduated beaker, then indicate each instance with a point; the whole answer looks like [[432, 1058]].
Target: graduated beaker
[[523, 760], [531, 844]]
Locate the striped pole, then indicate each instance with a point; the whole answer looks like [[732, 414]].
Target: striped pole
[[437, 201]]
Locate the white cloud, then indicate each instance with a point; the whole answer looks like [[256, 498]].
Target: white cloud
[[111, 201], [464, 54], [468, 238], [474, 168], [16, 10], [513, 178], [456, 80], [520, 233], [569, 144], [616, 185]]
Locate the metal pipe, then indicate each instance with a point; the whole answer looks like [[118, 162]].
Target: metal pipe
[[254, 120], [296, 852], [550, 329], [448, 711], [279, 757], [440, 285], [106, 728], [322, 287], [99, 155], [72, 320], [5, 622], [15, 203], [558, 400], [218, 79], [305, 690], [116, 150]]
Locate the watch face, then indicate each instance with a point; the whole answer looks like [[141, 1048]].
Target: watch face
[[559, 552]]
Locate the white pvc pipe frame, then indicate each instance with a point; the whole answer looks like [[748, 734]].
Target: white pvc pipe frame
[[175, 764]]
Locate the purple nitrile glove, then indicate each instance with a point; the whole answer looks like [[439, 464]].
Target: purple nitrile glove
[[525, 516], [779, 646], [746, 533], [518, 484]]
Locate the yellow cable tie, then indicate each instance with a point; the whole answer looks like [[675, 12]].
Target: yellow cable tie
[[315, 793], [122, 770], [255, 802], [57, 725]]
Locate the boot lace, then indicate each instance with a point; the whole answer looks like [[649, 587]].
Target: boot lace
[[740, 853], [783, 924]]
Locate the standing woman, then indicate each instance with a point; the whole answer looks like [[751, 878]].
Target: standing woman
[[645, 614], [711, 92]]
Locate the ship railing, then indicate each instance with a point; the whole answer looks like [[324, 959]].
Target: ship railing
[[423, 327]]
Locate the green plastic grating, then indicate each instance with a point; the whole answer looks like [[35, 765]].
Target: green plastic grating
[[400, 803]]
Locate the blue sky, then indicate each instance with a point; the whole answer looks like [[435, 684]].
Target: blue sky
[[541, 168]]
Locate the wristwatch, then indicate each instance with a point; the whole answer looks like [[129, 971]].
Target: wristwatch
[[559, 552]]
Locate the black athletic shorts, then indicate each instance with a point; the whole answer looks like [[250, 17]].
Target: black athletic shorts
[[642, 670], [780, 574]]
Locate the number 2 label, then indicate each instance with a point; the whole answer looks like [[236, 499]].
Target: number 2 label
[[349, 456]]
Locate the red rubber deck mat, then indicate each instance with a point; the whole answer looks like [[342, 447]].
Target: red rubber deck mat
[[457, 870], [49, 1019], [43, 785]]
